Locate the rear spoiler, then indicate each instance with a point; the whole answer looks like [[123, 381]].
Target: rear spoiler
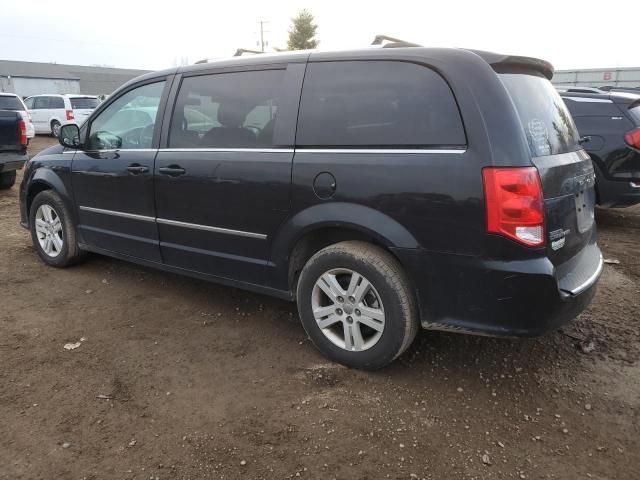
[[505, 63]]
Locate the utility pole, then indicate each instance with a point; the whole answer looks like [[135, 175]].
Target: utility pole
[[262, 32]]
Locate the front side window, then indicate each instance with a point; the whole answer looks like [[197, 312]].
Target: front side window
[[380, 104], [129, 121], [29, 103], [227, 110]]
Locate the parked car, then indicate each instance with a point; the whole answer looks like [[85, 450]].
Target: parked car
[[397, 187], [609, 123], [10, 101], [13, 146], [50, 112]]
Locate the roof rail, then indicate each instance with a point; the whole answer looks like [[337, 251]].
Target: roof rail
[[238, 53], [393, 42]]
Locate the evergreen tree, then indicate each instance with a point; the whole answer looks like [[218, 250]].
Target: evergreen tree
[[302, 32]]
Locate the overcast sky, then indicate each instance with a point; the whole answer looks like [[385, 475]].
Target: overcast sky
[[163, 33]]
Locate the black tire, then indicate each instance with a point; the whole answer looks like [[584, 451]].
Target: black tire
[[70, 253], [7, 180], [391, 284], [55, 126]]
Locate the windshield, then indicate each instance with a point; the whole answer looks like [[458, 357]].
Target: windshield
[[80, 103], [10, 103], [546, 121]]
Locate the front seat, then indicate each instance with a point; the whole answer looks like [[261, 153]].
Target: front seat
[[231, 134]]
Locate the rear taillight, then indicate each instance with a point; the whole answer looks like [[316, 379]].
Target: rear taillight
[[22, 128], [515, 204], [633, 138], [30, 117], [69, 114]]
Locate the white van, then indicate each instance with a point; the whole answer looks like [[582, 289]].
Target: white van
[[50, 112]]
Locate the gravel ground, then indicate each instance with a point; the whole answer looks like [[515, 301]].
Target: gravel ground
[[179, 379]]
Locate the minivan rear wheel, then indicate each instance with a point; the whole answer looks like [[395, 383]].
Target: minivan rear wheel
[[53, 232], [357, 305]]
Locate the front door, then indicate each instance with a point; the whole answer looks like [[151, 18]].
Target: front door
[[223, 182], [40, 114], [113, 175]]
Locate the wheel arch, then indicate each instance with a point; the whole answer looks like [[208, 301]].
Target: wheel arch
[[45, 179], [316, 227]]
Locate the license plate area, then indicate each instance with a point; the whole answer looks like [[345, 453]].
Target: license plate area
[[585, 202]]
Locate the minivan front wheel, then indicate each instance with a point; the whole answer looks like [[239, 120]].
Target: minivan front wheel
[[357, 305], [52, 230]]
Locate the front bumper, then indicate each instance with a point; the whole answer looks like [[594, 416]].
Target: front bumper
[[517, 298]]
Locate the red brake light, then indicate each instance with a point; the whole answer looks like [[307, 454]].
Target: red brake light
[[515, 204], [633, 138], [22, 128], [69, 114]]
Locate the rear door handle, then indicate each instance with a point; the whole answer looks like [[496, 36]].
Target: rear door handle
[[172, 170], [136, 168]]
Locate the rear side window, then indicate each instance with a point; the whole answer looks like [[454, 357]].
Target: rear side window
[[79, 103], [377, 104], [56, 102], [29, 103], [544, 116], [10, 103], [227, 110]]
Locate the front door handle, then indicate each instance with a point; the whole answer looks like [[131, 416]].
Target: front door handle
[[136, 168], [172, 170]]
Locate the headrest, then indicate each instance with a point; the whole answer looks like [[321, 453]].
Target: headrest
[[232, 115]]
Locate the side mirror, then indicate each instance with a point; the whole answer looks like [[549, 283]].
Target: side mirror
[[69, 136]]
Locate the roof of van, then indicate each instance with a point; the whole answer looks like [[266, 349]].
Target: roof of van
[[498, 61]]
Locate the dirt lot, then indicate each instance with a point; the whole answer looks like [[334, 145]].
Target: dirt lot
[[203, 381]]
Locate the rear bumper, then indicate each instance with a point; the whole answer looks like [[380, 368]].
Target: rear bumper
[[501, 298], [10, 162]]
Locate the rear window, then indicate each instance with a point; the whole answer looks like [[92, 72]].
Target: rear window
[[545, 118], [634, 112], [10, 103], [377, 104], [84, 103]]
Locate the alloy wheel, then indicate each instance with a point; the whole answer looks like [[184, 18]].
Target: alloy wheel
[[49, 230], [348, 309]]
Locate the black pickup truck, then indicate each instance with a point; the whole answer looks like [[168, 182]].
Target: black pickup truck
[[13, 146]]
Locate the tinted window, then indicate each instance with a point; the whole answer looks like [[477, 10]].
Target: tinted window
[[545, 119], [10, 103], [634, 111], [80, 103], [129, 121], [40, 103], [227, 110], [29, 103], [377, 104], [56, 102]]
